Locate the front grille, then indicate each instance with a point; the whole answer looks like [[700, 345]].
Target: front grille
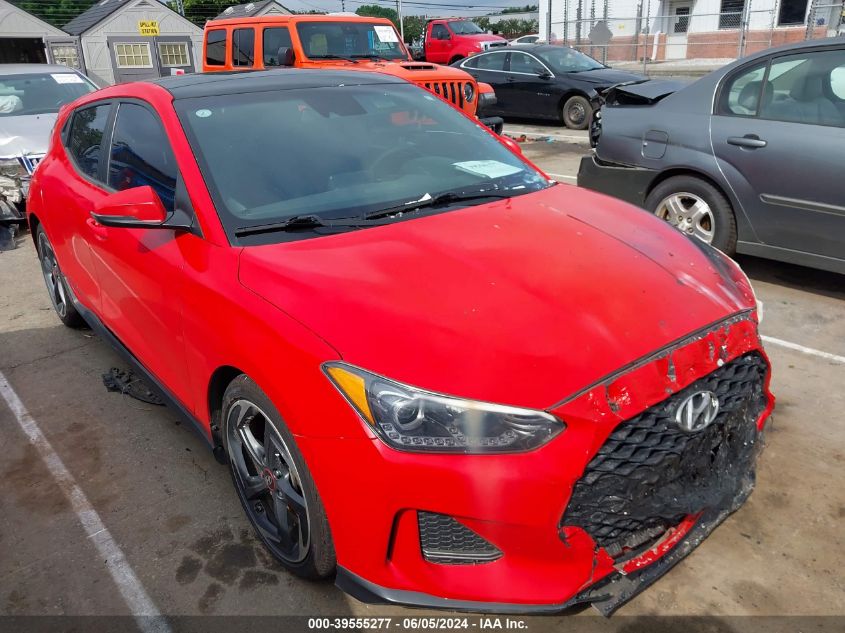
[[451, 91], [650, 474], [446, 541]]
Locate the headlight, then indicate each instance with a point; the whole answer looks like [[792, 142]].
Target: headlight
[[469, 92], [12, 167], [411, 419]]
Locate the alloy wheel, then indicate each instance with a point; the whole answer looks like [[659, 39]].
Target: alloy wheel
[[688, 213], [52, 276], [267, 481]]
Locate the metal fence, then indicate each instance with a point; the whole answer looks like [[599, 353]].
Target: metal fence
[[669, 30]]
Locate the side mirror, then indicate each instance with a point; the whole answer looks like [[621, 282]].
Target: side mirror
[[136, 208], [285, 56], [511, 144], [545, 74]]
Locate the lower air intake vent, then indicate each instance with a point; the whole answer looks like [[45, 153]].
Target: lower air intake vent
[[443, 540]]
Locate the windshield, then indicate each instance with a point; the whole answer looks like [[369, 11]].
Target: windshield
[[567, 60], [342, 152], [465, 27], [40, 93], [350, 39]]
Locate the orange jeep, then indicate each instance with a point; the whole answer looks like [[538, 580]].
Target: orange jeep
[[337, 41]]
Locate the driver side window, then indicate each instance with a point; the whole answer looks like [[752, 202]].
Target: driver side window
[[439, 32], [141, 154]]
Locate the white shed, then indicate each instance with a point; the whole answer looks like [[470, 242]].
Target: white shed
[[130, 40], [27, 39]]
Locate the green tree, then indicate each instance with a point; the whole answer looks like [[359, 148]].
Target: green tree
[[58, 12], [483, 23], [414, 27], [375, 11], [198, 11]]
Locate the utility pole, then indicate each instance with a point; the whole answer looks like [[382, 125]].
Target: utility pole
[[180, 7], [401, 21], [549, 22]]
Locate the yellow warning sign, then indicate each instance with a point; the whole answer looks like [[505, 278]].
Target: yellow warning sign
[[148, 27]]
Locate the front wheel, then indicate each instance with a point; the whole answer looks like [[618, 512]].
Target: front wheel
[[576, 112], [697, 208], [274, 484], [57, 286]]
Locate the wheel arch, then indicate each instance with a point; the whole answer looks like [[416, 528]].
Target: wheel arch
[[220, 379], [33, 222], [663, 176], [456, 58]]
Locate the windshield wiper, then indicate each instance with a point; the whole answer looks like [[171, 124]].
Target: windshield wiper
[[372, 57], [442, 199], [297, 222], [329, 56]]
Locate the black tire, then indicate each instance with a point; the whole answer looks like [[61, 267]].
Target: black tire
[[455, 59], [318, 560], [723, 221], [54, 279], [576, 112]]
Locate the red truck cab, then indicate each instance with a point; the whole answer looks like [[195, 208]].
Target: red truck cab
[[447, 40]]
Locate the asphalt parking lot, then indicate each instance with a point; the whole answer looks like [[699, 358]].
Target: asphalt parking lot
[[170, 534]]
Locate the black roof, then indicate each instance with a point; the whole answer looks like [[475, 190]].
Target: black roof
[[209, 84], [247, 9], [98, 12]]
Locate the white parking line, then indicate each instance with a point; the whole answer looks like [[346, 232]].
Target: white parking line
[[804, 350], [147, 616], [562, 176]]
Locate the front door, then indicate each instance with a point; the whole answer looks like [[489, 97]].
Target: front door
[[489, 68], [676, 36], [66, 51], [780, 130], [529, 86], [140, 270]]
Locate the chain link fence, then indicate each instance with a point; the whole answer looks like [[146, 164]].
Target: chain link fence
[[667, 31]]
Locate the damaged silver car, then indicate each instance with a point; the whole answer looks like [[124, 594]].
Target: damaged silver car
[[30, 98]]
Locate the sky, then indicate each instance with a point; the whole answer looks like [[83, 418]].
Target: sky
[[411, 7]]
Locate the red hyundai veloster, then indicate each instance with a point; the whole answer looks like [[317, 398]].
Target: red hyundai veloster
[[433, 371]]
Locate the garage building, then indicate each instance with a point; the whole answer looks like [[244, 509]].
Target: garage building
[[131, 40], [27, 39]]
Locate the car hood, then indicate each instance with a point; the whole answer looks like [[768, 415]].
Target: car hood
[[27, 134], [481, 37], [607, 76], [522, 301]]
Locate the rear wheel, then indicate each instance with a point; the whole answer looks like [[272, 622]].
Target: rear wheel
[[576, 112], [273, 482], [697, 208], [55, 281]]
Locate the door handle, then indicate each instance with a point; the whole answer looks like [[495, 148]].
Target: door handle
[[99, 231], [511, 79], [751, 141]]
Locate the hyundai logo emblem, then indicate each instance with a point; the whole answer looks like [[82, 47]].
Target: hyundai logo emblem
[[697, 411]]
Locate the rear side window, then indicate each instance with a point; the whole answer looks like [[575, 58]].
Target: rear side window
[[85, 136], [273, 40], [141, 155], [215, 48], [741, 94], [243, 47], [491, 61]]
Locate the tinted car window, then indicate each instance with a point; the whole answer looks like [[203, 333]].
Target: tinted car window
[[215, 48], [85, 137], [562, 59], [243, 47], [741, 94], [522, 63], [492, 61], [273, 40], [141, 154], [359, 149], [801, 89]]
